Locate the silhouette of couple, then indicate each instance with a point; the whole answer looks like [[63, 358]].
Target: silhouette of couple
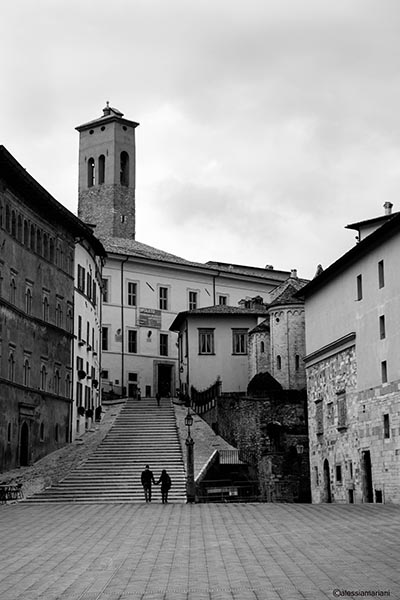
[[148, 479]]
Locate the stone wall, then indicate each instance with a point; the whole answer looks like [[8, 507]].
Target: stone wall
[[271, 435], [343, 441]]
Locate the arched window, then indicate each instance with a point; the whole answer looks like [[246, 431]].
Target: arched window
[[91, 173], [33, 238], [57, 382], [43, 377], [262, 347], [8, 218], [19, 228], [124, 169], [46, 246], [13, 224], [13, 290], [59, 315], [28, 301], [11, 366], [68, 385], [278, 363], [51, 249], [27, 372], [70, 322], [26, 233], [45, 306], [9, 432], [102, 169], [39, 249]]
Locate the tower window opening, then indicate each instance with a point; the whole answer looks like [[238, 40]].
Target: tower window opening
[[102, 165], [124, 169], [91, 172]]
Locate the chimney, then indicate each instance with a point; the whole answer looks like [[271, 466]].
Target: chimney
[[293, 273], [388, 208]]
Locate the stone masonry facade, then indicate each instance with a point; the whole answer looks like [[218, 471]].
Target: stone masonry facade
[[354, 455]]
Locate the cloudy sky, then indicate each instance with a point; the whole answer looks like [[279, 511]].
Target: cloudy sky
[[266, 126]]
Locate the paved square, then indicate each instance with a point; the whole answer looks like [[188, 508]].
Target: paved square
[[204, 551]]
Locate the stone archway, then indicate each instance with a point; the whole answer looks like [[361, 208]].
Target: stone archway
[[327, 483], [24, 445]]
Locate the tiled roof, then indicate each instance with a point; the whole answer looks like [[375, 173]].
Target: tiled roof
[[285, 293], [264, 326], [222, 310]]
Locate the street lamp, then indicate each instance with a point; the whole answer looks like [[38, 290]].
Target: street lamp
[[190, 486]]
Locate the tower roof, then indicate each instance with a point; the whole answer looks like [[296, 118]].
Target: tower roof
[[109, 114]]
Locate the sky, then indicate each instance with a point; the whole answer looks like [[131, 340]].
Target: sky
[[266, 126]]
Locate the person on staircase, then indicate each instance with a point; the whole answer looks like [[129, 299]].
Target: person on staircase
[[147, 480], [158, 398], [165, 481]]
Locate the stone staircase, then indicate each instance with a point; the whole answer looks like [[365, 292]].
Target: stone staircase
[[143, 433]]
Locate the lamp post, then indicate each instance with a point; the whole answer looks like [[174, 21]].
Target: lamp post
[[190, 486]]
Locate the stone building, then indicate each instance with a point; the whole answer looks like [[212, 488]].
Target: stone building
[[144, 287], [353, 373], [37, 246]]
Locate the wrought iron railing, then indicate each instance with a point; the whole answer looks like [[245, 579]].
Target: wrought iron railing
[[205, 400]]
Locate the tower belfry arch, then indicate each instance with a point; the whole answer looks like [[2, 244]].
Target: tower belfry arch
[[107, 174]]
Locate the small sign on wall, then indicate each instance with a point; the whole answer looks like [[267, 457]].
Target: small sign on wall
[[149, 317]]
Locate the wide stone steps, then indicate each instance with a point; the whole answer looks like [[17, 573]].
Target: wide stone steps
[[143, 433]]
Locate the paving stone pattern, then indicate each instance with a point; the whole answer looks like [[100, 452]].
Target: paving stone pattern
[[204, 551]]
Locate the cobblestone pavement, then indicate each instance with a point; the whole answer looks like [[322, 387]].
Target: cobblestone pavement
[[198, 552]]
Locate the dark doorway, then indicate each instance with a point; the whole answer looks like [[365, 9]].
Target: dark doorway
[[367, 477], [165, 380], [327, 483], [24, 446]]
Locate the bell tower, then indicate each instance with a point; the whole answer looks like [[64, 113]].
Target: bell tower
[[107, 171]]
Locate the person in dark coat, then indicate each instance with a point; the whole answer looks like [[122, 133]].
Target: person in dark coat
[[158, 398], [165, 481], [147, 480]]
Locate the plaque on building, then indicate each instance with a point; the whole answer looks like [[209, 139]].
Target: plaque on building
[[149, 317]]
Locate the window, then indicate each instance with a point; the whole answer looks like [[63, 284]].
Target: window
[[27, 372], [102, 168], [13, 224], [81, 279], [222, 300], [89, 285], [206, 341], [262, 347], [26, 233], [339, 473], [279, 362], [104, 338], [88, 333], [192, 300], [163, 344], [359, 287], [239, 341], [297, 362], [33, 237], [94, 293], [381, 274], [163, 298], [41, 432], [19, 228], [382, 327], [386, 426], [79, 327], [68, 385], [124, 169], [384, 371], [104, 374], [342, 411], [91, 172], [319, 418], [43, 377], [70, 321], [105, 290], [59, 315], [13, 290], [57, 380], [39, 242], [11, 366], [132, 295], [45, 308], [132, 341]]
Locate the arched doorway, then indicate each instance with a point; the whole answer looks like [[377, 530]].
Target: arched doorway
[[368, 492], [24, 445], [327, 483]]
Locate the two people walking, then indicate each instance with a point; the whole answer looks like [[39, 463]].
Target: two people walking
[[148, 479]]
